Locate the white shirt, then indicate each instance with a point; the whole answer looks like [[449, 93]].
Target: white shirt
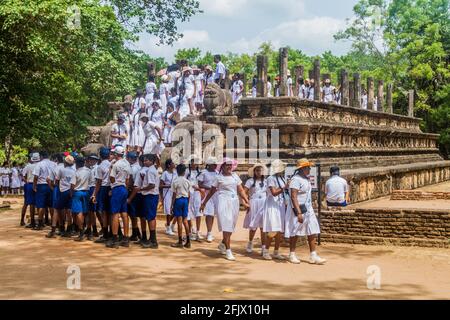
[[150, 88], [54, 169], [42, 171], [304, 191], [269, 89], [152, 177], [188, 82], [227, 184], [192, 177], [220, 69], [210, 79], [137, 103], [302, 91], [27, 172], [140, 178], [272, 182], [237, 87], [181, 187], [328, 93], [120, 130], [81, 178], [92, 180], [289, 84], [257, 191], [310, 93], [135, 168], [64, 176], [207, 178], [335, 189], [102, 173], [168, 177], [120, 171], [156, 116]]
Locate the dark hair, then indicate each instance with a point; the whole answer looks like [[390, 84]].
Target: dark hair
[[156, 95], [79, 162], [151, 78], [59, 157], [181, 169], [173, 90], [254, 181], [168, 163], [268, 78], [190, 171], [334, 170], [139, 92], [218, 57], [44, 154]]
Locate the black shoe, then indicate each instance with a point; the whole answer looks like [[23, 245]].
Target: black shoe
[[31, 226], [125, 243], [146, 244], [177, 245], [95, 234], [80, 237], [22, 223], [153, 245], [187, 245], [51, 234], [134, 238], [112, 244], [38, 227], [100, 240], [90, 237]]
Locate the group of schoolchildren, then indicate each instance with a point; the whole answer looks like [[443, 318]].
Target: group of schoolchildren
[[73, 193], [11, 179]]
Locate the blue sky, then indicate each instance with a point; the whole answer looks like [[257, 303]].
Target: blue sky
[[240, 26]]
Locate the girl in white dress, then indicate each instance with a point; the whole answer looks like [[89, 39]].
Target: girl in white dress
[[136, 132], [269, 87], [199, 78], [205, 181], [275, 211], [15, 179], [228, 186], [188, 83], [169, 123], [164, 92], [238, 88], [301, 219], [254, 82], [167, 177], [150, 89], [256, 189], [195, 199]]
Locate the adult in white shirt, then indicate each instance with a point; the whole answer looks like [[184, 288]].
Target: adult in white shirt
[[219, 75], [150, 89], [301, 219], [328, 92], [229, 188], [119, 175], [290, 90], [336, 189], [237, 88]]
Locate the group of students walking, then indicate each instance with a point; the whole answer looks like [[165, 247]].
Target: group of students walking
[[117, 189]]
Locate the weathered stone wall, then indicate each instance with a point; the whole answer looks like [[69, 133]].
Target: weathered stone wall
[[420, 227], [419, 195]]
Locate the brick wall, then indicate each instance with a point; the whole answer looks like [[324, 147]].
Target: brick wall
[[419, 195], [429, 228]]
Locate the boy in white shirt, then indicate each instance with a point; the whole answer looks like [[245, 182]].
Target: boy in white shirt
[[180, 205], [119, 132], [79, 189], [219, 76], [336, 189]]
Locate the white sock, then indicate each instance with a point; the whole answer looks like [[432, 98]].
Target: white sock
[[229, 251], [313, 254], [208, 234], [275, 252]]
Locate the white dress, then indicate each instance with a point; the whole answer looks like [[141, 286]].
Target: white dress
[[5, 178], [199, 84], [310, 225], [167, 177], [163, 88], [275, 211], [188, 85], [150, 89], [237, 94], [15, 179], [254, 219], [137, 135], [328, 93], [269, 89], [227, 201], [195, 200], [207, 178]]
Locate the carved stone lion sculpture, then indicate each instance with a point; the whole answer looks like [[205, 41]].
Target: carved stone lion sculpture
[[217, 101]]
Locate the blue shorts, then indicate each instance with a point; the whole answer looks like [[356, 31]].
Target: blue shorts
[[181, 207], [119, 200], [43, 196], [103, 199], [63, 200], [337, 204], [30, 195], [133, 207], [149, 206], [92, 207], [80, 202], [55, 194]]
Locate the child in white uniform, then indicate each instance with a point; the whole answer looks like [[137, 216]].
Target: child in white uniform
[[164, 92], [150, 89], [195, 199], [205, 181], [275, 211], [167, 177], [228, 186], [256, 188], [301, 219]]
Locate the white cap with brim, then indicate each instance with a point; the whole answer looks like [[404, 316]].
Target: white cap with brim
[[212, 160], [119, 150], [35, 157]]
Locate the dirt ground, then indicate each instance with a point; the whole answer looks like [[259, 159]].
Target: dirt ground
[[34, 267]]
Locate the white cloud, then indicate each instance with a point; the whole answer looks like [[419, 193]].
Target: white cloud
[[193, 37], [223, 8]]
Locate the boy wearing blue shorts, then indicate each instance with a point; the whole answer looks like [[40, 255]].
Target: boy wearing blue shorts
[[29, 194], [132, 159], [80, 196], [119, 176], [180, 205], [92, 164], [41, 188], [63, 203], [150, 199], [101, 193]]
